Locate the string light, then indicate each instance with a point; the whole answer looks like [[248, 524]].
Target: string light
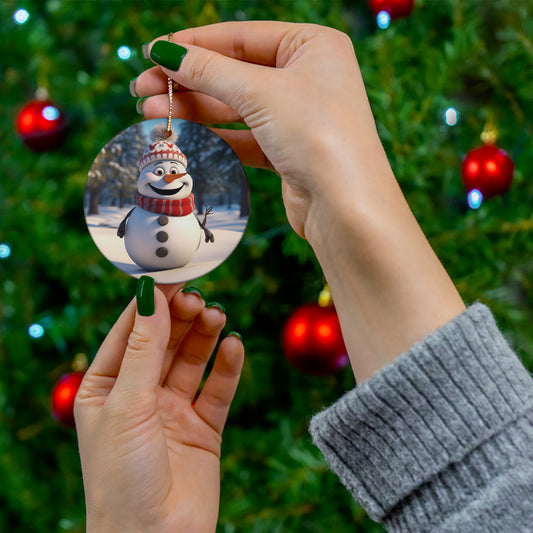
[[50, 112], [383, 20], [451, 116], [475, 199], [36, 331], [5, 251], [124, 52], [21, 16]]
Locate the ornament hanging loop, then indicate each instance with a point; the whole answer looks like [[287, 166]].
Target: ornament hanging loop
[[171, 87]]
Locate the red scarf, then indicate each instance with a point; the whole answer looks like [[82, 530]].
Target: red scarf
[[173, 208]]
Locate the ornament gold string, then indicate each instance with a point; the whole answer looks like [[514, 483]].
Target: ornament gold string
[[171, 87]]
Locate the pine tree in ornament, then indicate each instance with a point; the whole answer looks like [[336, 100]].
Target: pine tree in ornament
[[41, 125], [488, 168], [394, 8], [312, 340]]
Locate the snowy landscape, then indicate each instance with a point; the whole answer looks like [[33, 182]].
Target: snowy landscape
[[225, 224]]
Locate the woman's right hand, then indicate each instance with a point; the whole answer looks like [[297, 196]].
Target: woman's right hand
[[296, 86], [299, 89]]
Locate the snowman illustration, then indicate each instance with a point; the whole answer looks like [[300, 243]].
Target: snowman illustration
[[163, 232]]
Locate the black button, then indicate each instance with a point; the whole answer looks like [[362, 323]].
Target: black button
[[161, 252], [162, 236], [162, 220]]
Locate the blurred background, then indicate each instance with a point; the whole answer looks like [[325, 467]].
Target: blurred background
[[438, 75]]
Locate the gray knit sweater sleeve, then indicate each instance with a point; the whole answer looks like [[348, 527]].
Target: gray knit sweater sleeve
[[440, 440]]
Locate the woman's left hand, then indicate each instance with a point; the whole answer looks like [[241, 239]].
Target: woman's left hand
[[149, 443]]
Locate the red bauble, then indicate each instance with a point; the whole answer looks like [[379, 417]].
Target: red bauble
[[488, 169], [395, 8], [63, 396], [312, 340], [41, 125]]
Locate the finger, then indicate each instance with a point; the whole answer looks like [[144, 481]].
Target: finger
[[252, 41], [152, 81], [192, 106], [243, 143], [184, 308], [187, 369], [170, 290], [225, 79], [101, 375], [143, 358], [109, 357], [214, 401], [149, 82]]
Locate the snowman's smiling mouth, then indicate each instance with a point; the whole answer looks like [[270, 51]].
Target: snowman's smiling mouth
[[166, 192]]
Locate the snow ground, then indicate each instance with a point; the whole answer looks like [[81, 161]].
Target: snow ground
[[225, 224]]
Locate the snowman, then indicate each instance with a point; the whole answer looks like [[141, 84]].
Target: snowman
[[163, 232]]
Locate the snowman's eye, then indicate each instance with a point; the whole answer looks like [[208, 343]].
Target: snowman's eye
[[173, 170], [159, 172]]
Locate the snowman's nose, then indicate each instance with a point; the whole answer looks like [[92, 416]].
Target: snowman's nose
[[169, 178]]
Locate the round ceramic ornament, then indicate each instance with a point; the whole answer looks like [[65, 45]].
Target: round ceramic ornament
[[166, 199]]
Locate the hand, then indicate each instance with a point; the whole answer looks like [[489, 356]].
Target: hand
[[150, 452], [299, 89], [302, 114]]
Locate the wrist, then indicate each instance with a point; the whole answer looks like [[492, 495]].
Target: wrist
[[107, 527], [389, 288], [363, 190], [101, 519]]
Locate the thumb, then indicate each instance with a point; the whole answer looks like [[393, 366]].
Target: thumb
[[140, 370], [228, 80]]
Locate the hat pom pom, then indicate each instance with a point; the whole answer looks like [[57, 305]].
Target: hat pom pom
[[160, 133]]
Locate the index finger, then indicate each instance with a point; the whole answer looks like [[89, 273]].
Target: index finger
[[251, 41], [109, 357], [255, 42]]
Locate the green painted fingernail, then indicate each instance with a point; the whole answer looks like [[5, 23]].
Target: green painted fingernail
[[167, 54], [235, 334], [193, 290], [139, 105], [145, 296], [146, 50], [133, 92], [220, 307]]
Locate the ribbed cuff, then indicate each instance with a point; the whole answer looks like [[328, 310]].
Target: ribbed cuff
[[429, 428]]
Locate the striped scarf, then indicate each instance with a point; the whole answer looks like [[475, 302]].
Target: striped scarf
[[173, 208]]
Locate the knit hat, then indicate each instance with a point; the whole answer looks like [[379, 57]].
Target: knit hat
[[162, 148]]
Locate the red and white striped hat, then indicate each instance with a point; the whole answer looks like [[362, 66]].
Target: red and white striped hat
[[162, 149]]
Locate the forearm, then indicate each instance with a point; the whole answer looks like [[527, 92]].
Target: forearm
[[388, 285]]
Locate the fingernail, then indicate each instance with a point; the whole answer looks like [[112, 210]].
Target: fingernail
[[167, 54], [145, 296], [192, 290], [220, 307], [133, 92], [146, 50], [139, 105], [235, 334]]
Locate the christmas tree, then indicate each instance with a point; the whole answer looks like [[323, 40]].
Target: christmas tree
[[436, 78]]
